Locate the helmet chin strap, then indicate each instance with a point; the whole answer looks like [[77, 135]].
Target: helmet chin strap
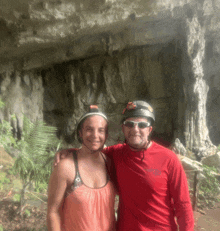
[[145, 146], [142, 149]]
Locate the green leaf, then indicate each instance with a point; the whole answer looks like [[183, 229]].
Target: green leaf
[[1, 228], [35, 158], [17, 197], [27, 212]]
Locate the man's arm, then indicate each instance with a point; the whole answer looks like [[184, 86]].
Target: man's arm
[[56, 191], [180, 193], [108, 151], [62, 154]]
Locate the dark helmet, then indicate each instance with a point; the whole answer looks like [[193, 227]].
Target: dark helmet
[[93, 110], [138, 108]]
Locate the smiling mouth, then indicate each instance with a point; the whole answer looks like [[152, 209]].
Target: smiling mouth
[[94, 142], [135, 135]]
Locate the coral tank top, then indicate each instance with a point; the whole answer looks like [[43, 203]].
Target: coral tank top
[[88, 209]]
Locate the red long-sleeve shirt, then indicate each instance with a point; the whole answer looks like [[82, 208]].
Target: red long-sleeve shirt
[[152, 188]]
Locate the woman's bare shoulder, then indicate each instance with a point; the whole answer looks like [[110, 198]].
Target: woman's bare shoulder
[[65, 167]]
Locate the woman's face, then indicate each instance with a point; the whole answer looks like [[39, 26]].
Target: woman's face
[[94, 132]]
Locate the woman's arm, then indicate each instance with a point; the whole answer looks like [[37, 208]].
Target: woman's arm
[[61, 175]]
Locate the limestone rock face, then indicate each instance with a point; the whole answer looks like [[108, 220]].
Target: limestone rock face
[[23, 95], [190, 165], [179, 147], [212, 161], [51, 31], [59, 56], [111, 82], [61, 93]]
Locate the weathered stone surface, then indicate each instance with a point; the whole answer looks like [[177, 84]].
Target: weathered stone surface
[[179, 147], [212, 161], [46, 32], [193, 170], [57, 57], [32, 26], [110, 82], [23, 95], [211, 67], [196, 87], [190, 165]]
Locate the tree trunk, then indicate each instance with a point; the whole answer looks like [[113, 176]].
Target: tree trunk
[[22, 200]]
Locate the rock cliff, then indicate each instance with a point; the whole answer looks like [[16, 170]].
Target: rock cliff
[[59, 56]]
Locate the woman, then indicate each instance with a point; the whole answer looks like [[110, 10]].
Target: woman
[[80, 196]]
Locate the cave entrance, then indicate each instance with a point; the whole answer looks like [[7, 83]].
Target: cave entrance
[[151, 73]]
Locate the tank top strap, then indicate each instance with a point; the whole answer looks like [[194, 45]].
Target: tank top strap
[[106, 166], [75, 161], [77, 181]]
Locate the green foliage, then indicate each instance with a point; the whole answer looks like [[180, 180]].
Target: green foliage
[[1, 228], [36, 150], [7, 139], [11, 171], [17, 197], [3, 179], [35, 153], [17, 185], [36, 147], [6, 136], [209, 188], [27, 212], [41, 187]]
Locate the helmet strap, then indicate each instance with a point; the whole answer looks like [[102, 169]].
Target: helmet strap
[[145, 148]]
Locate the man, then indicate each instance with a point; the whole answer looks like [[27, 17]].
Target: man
[[151, 181]]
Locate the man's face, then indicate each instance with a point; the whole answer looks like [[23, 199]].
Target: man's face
[[94, 132], [136, 137]]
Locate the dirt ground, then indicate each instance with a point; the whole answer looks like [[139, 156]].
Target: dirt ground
[[208, 219], [10, 220]]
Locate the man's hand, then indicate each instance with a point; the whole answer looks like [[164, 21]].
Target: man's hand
[[62, 154]]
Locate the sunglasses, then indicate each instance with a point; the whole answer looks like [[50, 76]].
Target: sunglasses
[[130, 124]]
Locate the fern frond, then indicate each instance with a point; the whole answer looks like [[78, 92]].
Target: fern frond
[[35, 147]]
